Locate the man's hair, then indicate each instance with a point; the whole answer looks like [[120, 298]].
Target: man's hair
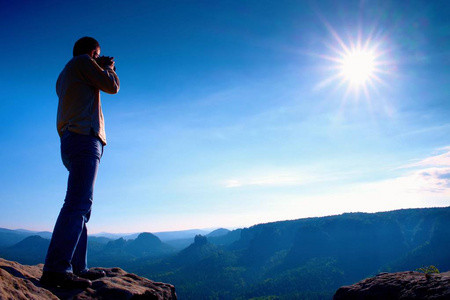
[[84, 46]]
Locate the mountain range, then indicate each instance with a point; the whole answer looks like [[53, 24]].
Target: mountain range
[[298, 259]]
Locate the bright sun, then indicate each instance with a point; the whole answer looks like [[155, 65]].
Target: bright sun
[[358, 64]]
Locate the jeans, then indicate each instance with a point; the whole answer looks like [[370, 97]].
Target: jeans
[[81, 156]]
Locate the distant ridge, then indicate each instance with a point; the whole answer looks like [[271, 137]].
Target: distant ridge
[[164, 236], [9, 237], [218, 232]]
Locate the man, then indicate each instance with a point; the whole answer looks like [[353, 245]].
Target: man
[[81, 129]]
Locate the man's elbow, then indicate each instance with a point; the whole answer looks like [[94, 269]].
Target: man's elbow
[[113, 90], [113, 85]]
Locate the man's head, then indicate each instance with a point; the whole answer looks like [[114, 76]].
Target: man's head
[[87, 45]]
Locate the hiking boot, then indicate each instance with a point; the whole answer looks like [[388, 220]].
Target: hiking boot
[[64, 280], [91, 274]]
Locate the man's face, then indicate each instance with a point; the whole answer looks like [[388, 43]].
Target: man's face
[[95, 53]]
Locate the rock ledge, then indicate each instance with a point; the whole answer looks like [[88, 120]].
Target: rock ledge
[[402, 285], [22, 282]]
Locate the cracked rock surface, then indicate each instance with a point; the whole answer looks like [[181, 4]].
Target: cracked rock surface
[[400, 285], [22, 282]]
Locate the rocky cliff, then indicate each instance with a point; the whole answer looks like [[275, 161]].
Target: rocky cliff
[[401, 285], [22, 282]]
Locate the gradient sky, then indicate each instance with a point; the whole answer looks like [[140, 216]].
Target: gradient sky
[[230, 113]]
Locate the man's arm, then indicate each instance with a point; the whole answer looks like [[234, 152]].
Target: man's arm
[[105, 80]]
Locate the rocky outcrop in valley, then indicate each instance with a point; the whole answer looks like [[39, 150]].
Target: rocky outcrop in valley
[[402, 285]]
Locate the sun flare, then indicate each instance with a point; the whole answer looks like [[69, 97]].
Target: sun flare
[[358, 64]]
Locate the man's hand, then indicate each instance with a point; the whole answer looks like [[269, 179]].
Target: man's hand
[[106, 62], [109, 61]]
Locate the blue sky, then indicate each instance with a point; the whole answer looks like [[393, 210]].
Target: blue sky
[[231, 113]]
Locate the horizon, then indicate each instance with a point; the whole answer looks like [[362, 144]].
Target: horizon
[[233, 113], [211, 229]]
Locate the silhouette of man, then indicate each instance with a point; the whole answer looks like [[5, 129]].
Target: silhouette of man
[[81, 128]]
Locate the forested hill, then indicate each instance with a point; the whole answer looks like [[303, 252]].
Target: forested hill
[[298, 259], [308, 258]]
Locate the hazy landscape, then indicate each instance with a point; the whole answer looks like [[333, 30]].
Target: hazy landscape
[[298, 259]]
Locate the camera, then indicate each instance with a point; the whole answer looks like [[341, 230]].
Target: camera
[[104, 61]]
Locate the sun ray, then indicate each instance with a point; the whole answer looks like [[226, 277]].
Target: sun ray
[[359, 63]]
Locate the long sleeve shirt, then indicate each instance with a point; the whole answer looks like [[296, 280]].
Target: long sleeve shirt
[[78, 88]]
